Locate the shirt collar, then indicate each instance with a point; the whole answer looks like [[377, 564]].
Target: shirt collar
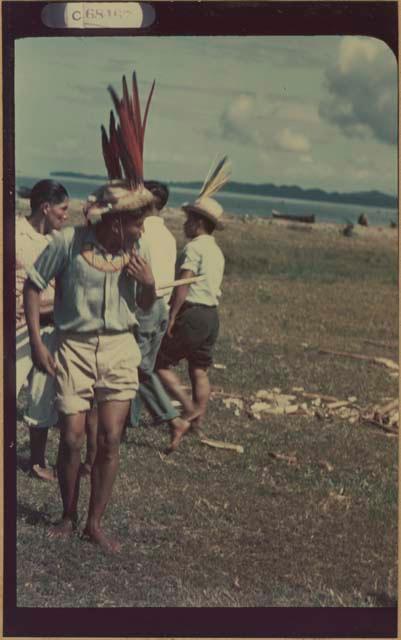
[[28, 228], [153, 220], [205, 237]]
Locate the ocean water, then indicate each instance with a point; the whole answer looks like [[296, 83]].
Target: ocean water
[[248, 205]]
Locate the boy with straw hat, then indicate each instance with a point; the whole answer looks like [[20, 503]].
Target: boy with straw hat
[[158, 247], [100, 279], [193, 319]]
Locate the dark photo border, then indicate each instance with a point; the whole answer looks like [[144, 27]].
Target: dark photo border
[[23, 19]]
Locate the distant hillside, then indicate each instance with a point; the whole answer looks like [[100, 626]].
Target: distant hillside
[[371, 198], [80, 176]]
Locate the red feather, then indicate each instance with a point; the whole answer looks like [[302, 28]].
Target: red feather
[[127, 141], [137, 110], [110, 158], [126, 159], [114, 147]]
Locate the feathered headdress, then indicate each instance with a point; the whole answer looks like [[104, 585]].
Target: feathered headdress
[[204, 205], [123, 156]]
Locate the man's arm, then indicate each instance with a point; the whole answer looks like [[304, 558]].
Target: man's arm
[[46, 299], [47, 304], [41, 356], [178, 299], [49, 264]]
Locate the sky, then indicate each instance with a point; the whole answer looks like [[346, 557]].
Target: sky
[[312, 111]]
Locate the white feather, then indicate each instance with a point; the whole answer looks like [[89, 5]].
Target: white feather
[[216, 177]]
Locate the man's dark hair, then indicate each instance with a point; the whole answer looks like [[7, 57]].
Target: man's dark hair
[[159, 190], [47, 191]]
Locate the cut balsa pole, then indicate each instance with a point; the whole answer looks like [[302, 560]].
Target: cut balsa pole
[[386, 362], [388, 407], [177, 283], [218, 444], [379, 425]]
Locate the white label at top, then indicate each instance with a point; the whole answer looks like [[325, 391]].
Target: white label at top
[[109, 15]]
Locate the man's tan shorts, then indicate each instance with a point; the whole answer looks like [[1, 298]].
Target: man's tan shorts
[[102, 366]]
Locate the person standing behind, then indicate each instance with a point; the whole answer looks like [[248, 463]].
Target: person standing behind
[[49, 211], [158, 247], [193, 320]]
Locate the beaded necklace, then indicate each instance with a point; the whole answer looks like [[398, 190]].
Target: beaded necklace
[[101, 262]]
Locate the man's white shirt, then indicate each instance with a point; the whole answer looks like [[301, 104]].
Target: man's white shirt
[[158, 246]]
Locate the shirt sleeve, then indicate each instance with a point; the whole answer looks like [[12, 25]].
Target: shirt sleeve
[[26, 248], [190, 259], [19, 255], [143, 249], [50, 262]]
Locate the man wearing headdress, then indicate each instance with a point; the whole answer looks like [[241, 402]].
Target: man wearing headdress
[[100, 278]]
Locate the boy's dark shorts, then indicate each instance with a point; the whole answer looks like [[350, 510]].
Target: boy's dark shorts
[[195, 332]]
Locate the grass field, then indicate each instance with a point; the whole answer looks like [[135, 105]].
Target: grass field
[[307, 514]]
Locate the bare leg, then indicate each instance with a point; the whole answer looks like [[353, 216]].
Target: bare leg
[[111, 419], [200, 391], [173, 384], [91, 441], [68, 462], [37, 441], [179, 426]]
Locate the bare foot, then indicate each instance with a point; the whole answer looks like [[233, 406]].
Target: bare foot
[[43, 473], [179, 428], [108, 545], [193, 415], [85, 470], [62, 530], [196, 428]]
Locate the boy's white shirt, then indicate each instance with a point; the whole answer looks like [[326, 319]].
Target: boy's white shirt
[[204, 257]]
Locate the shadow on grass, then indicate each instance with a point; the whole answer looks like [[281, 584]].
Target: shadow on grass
[[31, 516], [23, 463], [138, 442]]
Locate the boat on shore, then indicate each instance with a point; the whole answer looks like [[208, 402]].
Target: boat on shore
[[293, 218]]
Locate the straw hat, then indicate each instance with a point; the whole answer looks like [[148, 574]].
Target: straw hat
[[117, 196], [204, 205], [208, 208], [123, 156]]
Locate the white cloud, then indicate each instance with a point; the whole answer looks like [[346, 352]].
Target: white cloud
[[237, 121], [296, 112], [363, 90], [265, 123], [287, 140], [353, 50]]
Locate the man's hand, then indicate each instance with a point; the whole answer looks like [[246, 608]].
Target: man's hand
[[139, 269], [42, 359]]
